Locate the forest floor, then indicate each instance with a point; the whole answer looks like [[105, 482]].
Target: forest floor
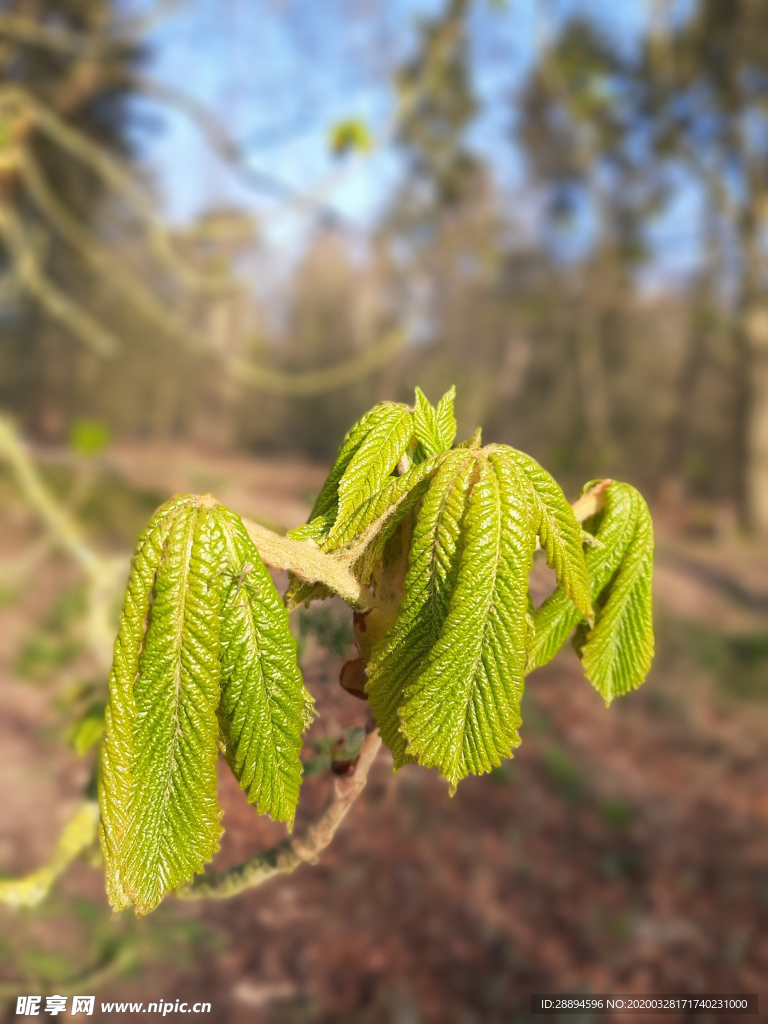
[[621, 850]]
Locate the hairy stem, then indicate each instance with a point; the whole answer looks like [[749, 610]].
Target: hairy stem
[[309, 563]]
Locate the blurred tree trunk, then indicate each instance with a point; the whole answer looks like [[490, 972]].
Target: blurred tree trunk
[[751, 330], [590, 365]]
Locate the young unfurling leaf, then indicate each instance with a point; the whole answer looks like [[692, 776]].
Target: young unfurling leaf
[[429, 585], [433, 545], [387, 440], [204, 644], [326, 507], [435, 428], [552, 519], [445, 683], [367, 458], [264, 706], [617, 652]]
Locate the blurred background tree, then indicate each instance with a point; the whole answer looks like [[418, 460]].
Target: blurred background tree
[[615, 138], [545, 291], [82, 86]]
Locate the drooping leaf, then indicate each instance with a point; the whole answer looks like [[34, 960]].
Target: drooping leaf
[[553, 521], [618, 651], [385, 443], [115, 781], [173, 811], [431, 579], [435, 428], [201, 615], [326, 506], [382, 505], [264, 706], [616, 528], [326, 510], [458, 694]]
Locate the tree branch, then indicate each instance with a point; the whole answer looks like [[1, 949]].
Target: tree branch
[[104, 574], [67, 42], [117, 962], [303, 848], [79, 833]]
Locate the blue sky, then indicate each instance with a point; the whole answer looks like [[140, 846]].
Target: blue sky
[[280, 73]]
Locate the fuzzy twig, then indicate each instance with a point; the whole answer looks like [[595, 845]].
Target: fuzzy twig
[[304, 847]]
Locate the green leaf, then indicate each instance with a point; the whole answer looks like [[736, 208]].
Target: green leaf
[[115, 781], [377, 457], [435, 428], [553, 521], [88, 730], [201, 616], [382, 505], [616, 527], [173, 811], [264, 705], [618, 651], [451, 667], [429, 584], [462, 711], [326, 506], [89, 437], [351, 134]]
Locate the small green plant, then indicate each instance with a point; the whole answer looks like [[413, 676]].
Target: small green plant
[[431, 545]]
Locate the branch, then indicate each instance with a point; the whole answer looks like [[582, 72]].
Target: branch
[[104, 575], [305, 559], [318, 382], [115, 174], [116, 271], [120, 277], [79, 44], [63, 530], [121, 960], [54, 302], [231, 152], [303, 848], [76, 837], [48, 37]]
